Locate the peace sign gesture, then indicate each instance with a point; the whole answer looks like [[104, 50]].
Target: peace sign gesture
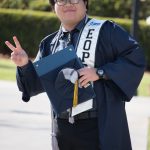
[[18, 55]]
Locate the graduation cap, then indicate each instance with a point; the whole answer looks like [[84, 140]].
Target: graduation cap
[[59, 77]]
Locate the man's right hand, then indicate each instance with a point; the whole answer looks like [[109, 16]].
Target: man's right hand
[[18, 55]]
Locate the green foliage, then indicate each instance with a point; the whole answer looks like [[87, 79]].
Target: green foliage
[[118, 8], [29, 26], [12, 4], [42, 5], [111, 8], [144, 38], [144, 9]]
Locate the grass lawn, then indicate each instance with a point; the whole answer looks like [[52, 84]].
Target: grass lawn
[[8, 70], [144, 88]]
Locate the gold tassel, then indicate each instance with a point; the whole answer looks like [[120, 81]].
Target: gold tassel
[[75, 96]]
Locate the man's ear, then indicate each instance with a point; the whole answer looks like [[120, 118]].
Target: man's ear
[[86, 4]]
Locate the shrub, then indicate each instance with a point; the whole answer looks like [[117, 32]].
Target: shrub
[[26, 4], [12, 4], [111, 8], [40, 5], [29, 26]]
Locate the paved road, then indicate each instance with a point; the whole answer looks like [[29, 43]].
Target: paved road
[[23, 126], [138, 112], [26, 126]]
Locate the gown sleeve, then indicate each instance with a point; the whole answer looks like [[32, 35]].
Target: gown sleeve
[[27, 80], [127, 68]]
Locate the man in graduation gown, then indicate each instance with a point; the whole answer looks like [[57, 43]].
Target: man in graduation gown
[[118, 68]]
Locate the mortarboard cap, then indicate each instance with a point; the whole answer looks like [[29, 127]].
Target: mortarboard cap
[[58, 73]]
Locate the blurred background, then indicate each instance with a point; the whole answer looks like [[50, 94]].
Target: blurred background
[[32, 20]]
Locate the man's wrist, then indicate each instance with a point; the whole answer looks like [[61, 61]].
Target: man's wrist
[[25, 65]]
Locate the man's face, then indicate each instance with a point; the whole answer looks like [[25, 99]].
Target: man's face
[[71, 13]]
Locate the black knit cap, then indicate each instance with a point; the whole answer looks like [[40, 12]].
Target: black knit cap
[[52, 2]]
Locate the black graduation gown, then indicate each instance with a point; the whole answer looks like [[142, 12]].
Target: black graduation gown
[[123, 62]]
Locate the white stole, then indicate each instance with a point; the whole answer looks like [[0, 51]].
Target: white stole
[[86, 52], [88, 41]]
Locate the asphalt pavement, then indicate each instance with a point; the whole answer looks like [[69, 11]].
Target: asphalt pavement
[[26, 126]]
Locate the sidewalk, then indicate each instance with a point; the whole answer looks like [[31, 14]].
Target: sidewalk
[[23, 126], [27, 125], [138, 114]]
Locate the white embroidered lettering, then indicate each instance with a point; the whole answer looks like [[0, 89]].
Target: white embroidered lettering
[[88, 41]]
